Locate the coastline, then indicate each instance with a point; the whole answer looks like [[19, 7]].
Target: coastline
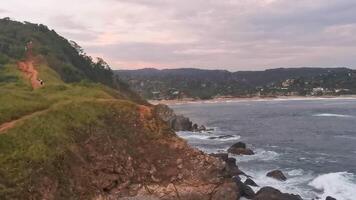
[[242, 99]]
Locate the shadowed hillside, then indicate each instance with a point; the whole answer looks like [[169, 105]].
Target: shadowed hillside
[[206, 84]]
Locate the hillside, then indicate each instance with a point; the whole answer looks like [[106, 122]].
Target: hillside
[[205, 84], [82, 134]]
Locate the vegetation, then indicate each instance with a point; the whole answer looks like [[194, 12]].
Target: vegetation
[[79, 93], [206, 84]]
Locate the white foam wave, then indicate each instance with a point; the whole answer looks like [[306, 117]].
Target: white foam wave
[[207, 136], [332, 115], [340, 185], [260, 154], [293, 185]]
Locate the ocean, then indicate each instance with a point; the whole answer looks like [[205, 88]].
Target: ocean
[[313, 141]]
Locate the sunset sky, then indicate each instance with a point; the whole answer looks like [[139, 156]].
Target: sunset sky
[[212, 34]]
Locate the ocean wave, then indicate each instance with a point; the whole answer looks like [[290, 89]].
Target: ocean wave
[[296, 178], [348, 137], [340, 185], [332, 115], [207, 136], [260, 154]]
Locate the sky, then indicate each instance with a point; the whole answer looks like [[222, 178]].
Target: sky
[[210, 34]]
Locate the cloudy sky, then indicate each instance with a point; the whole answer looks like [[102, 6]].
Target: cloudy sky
[[212, 34]]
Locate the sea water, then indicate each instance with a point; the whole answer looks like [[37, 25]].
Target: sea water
[[312, 141]]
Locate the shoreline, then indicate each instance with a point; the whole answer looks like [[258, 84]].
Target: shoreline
[[242, 99]]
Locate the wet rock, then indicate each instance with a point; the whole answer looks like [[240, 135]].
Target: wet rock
[[240, 149], [202, 128], [239, 145], [269, 193], [180, 123], [176, 122], [195, 127], [249, 181], [330, 198], [277, 174], [245, 190]]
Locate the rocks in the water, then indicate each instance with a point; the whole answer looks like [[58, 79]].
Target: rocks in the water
[[277, 174], [176, 122], [249, 181], [231, 168], [245, 190], [240, 149], [330, 198], [180, 123], [269, 193]]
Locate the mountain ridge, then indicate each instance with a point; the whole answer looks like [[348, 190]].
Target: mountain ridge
[[201, 83]]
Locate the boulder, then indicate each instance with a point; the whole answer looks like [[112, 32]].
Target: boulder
[[195, 127], [249, 181], [239, 145], [277, 174], [201, 128], [180, 123], [240, 149], [245, 190], [330, 198], [269, 193]]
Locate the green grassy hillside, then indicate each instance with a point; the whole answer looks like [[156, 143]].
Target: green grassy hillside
[[46, 124]]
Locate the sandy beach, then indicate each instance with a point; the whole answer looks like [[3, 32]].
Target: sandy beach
[[234, 99]]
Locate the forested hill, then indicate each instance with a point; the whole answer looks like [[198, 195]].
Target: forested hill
[[198, 83], [67, 58]]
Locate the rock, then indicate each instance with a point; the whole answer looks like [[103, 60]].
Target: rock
[[227, 191], [202, 128], [269, 193], [277, 174], [180, 123], [239, 145], [245, 190], [240, 149], [249, 181], [222, 156], [330, 198], [176, 122], [195, 127]]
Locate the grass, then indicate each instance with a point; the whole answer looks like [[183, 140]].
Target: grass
[[36, 142], [18, 98]]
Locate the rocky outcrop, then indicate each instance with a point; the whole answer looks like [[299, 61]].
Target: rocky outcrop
[[330, 198], [249, 181], [240, 149], [277, 174], [131, 154], [245, 190], [269, 193], [176, 122]]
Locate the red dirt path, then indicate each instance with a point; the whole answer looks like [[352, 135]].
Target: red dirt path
[[30, 72]]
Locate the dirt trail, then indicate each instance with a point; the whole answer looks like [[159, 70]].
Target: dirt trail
[[8, 125], [30, 72], [27, 67]]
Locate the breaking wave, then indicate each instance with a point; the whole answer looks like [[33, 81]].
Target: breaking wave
[[332, 115], [340, 185]]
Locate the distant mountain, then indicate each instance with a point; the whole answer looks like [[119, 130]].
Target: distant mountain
[[198, 83]]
